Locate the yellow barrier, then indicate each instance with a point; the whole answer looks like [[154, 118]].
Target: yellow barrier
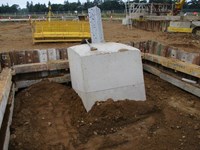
[[60, 31], [183, 30]]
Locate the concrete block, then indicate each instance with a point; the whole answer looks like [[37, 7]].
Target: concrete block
[[173, 53], [43, 57], [96, 28], [114, 71], [52, 55]]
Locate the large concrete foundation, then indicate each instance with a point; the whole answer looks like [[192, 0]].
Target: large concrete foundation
[[112, 71]]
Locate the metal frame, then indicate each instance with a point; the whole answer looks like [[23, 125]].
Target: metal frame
[[136, 10]]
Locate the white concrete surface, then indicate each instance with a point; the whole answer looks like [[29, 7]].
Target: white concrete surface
[[96, 28], [114, 71]]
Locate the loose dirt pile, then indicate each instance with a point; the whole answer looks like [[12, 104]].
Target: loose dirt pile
[[52, 116]]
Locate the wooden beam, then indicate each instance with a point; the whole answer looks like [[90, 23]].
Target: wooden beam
[[177, 65], [26, 83], [37, 67], [7, 120], [191, 88], [5, 86]]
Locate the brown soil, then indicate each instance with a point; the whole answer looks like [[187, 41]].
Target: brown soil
[[51, 116], [17, 36]]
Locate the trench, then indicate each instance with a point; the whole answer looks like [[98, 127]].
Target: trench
[[30, 69]]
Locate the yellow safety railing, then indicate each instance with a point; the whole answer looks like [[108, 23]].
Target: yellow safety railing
[[60, 31], [178, 29]]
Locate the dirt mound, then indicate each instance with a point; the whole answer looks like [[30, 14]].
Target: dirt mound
[[48, 115], [109, 117]]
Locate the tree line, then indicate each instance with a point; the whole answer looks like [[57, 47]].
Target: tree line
[[78, 6]]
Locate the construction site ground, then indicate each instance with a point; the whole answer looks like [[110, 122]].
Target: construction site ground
[[51, 116]]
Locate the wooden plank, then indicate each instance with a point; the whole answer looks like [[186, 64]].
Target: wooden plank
[[44, 66], [5, 60], [63, 53], [191, 88], [27, 83], [7, 120], [31, 57], [177, 65], [5, 86]]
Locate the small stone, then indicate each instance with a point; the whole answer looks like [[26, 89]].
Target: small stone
[[198, 136], [13, 136], [19, 144], [181, 143], [196, 127], [98, 103], [26, 123], [178, 127], [183, 136], [49, 123], [82, 121], [43, 118], [27, 94], [95, 133]]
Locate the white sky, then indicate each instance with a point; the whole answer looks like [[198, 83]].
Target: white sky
[[22, 3]]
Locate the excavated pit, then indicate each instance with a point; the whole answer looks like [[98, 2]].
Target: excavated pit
[[49, 115]]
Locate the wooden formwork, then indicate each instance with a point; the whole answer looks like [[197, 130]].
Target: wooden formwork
[[152, 25], [172, 65]]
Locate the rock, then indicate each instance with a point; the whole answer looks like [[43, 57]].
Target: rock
[[196, 127], [172, 98], [198, 136], [49, 123], [95, 133], [27, 94], [13, 136], [26, 123], [19, 144], [183, 136]]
